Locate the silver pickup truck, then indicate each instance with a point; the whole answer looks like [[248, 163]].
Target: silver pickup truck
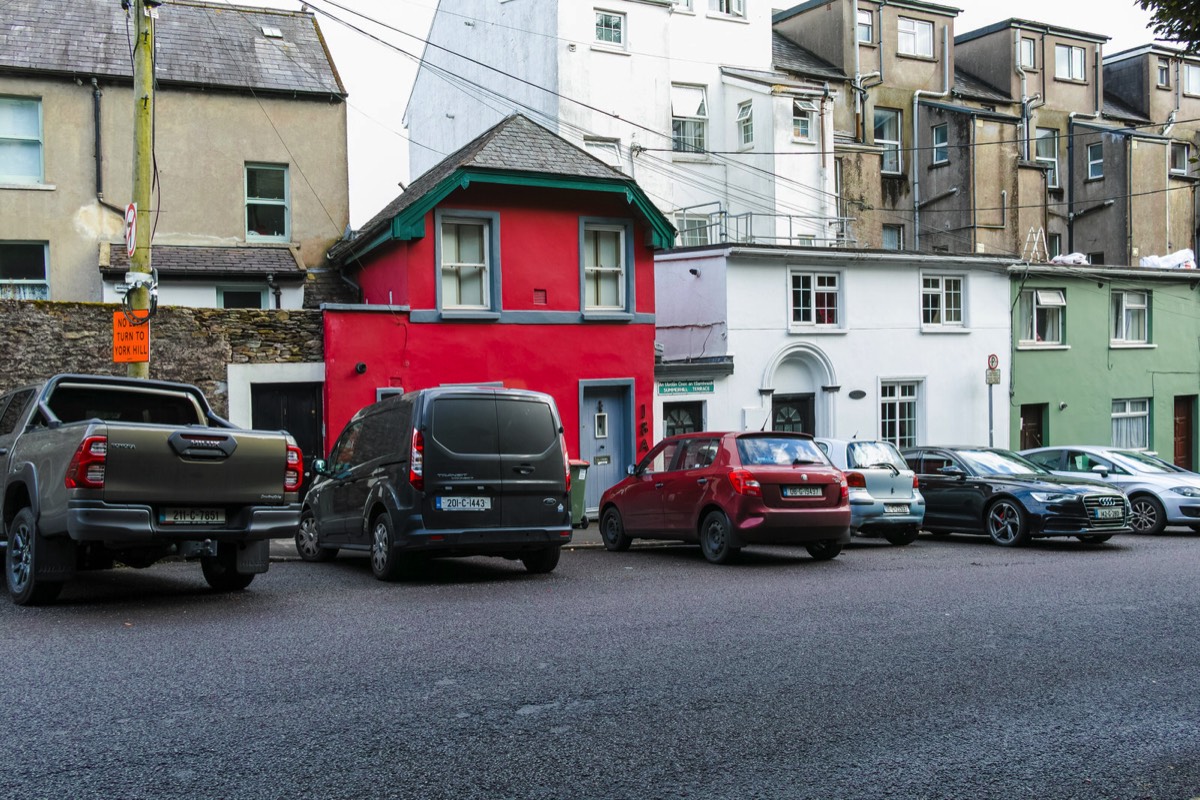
[[98, 469]]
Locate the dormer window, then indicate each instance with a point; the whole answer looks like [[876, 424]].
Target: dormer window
[[915, 37]]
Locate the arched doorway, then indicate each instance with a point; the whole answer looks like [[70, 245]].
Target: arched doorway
[[799, 383]]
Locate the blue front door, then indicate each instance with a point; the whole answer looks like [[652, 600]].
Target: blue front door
[[605, 438]]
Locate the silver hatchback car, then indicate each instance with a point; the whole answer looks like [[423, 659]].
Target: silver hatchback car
[[885, 501]]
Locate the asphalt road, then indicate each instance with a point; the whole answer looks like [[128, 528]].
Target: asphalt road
[[945, 669]]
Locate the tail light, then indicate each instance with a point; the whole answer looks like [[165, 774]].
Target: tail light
[[562, 443], [86, 470], [856, 480], [293, 475], [416, 461], [916, 483], [846, 488], [744, 483]]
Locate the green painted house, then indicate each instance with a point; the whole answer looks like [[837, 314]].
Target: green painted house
[[1106, 356]]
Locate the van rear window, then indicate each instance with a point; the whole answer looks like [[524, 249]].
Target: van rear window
[[477, 425], [526, 427]]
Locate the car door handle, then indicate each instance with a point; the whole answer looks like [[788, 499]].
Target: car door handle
[[659, 485], [701, 481], [524, 469], [3, 451]]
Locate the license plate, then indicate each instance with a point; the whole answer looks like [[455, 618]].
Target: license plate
[[192, 516], [463, 503], [803, 491], [1110, 513], [889, 508]]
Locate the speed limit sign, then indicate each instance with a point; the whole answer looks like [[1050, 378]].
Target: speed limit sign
[[993, 361], [131, 228]]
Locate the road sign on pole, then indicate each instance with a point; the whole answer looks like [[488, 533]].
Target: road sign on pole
[[131, 228]]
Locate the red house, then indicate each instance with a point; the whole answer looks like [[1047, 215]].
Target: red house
[[521, 261]]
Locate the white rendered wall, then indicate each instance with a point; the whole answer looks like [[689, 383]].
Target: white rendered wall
[[201, 295]]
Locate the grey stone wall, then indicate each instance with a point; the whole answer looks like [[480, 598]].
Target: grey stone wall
[[39, 339]]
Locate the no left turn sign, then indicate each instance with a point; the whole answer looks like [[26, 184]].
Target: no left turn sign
[[131, 228]]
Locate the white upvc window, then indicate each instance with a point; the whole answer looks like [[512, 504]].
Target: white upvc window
[[802, 120], [898, 412], [689, 118], [893, 237], [610, 28], [267, 205], [1131, 423], [1095, 159], [815, 299], [686, 5], [1070, 62], [1028, 53], [1180, 158], [915, 37], [603, 267], [693, 230], [887, 136], [941, 144], [745, 124], [23, 272], [1164, 73], [1046, 152], [866, 26], [1130, 311], [942, 300], [21, 140], [465, 267], [734, 8], [1041, 316], [1191, 79]]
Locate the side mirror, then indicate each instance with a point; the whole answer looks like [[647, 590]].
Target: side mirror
[[320, 467], [1100, 470], [953, 472], [630, 470]]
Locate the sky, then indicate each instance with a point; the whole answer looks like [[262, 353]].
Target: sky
[[377, 64]]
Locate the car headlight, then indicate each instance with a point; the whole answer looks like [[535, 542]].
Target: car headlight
[[1051, 497], [1187, 491]]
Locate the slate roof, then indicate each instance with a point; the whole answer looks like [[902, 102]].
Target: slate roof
[[181, 261], [1115, 108], [788, 56], [197, 44], [515, 144], [975, 88], [769, 78]]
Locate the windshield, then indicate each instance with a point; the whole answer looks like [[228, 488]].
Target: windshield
[[1135, 461], [864, 455], [761, 450], [999, 462]]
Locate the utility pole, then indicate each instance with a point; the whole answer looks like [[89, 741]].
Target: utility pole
[[140, 280]]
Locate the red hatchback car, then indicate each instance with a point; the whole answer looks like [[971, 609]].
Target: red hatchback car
[[727, 490]]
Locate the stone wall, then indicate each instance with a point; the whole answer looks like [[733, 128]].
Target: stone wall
[[39, 339]]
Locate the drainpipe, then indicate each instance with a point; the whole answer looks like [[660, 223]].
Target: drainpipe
[[99, 155], [1166, 131], [859, 85], [1024, 94], [916, 172]]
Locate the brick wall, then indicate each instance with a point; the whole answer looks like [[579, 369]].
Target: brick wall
[[39, 339]]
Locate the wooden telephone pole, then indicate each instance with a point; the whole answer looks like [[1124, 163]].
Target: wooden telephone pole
[[145, 12]]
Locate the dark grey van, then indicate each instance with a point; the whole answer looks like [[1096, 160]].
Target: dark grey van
[[451, 471]]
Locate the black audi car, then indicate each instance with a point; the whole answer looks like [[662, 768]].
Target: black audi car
[[987, 490]]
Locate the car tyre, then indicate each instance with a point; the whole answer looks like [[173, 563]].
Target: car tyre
[[716, 538], [221, 570], [824, 551], [386, 562], [20, 563], [1147, 515], [1007, 523], [901, 538], [612, 531], [541, 562], [307, 545]]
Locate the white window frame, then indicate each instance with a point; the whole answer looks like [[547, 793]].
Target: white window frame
[[1028, 53], [693, 230], [1048, 305], [898, 230], [689, 126], [1070, 62], [26, 288], [891, 147], [1095, 161], [595, 275], [914, 37], [605, 20], [1042, 135], [452, 269], [685, 5], [1131, 423], [865, 24], [802, 117], [1191, 79], [804, 311], [1054, 244], [263, 302], [745, 123], [1180, 158], [730, 8], [943, 301], [285, 203], [1163, 73], [1131, 317], [941, 149], [900, 408], [23, 139]]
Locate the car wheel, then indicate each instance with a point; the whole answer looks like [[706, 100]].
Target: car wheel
[[612, 531], [306, 540], [20, 563], [901, 538], [1147, 515], [716, 541], [386, 562], [541, 561], [823, 551], [1006, 523], [221, 570], [1095, 538]]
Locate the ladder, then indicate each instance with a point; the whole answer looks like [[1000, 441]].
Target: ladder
[[1035, 250]]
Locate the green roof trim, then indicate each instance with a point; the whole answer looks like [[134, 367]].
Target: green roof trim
[[410, 223]]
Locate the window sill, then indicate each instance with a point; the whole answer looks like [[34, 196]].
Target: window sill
[[606, 315], [806, 142], [610, 49], [824, 330], [727, 17], [1036, 346], [482, 315], [1076, 81], [916, 57], [939, 165], [695, 158], [1119, 345], [32, 187], [944, 329]]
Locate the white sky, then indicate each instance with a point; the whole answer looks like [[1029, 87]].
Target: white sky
[[378, 77]]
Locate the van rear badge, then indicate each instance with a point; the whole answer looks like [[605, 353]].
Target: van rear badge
[[549, 501]]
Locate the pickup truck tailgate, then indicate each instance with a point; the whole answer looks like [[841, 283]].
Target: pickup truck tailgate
[[194, 466]]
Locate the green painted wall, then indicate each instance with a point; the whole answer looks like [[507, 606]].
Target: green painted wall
[[1090, 371]]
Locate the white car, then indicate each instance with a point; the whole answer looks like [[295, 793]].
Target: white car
[[1160, 493], [884, 499]]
